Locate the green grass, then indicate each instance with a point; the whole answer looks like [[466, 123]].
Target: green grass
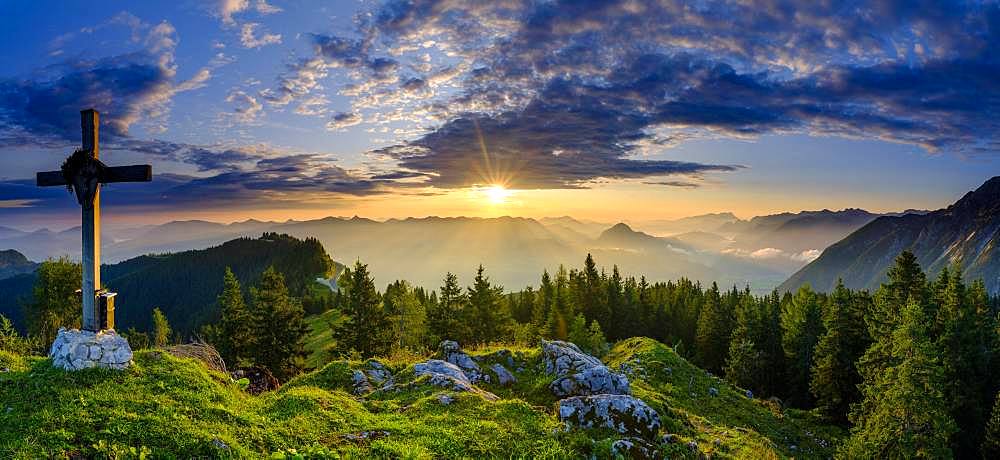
[[319, 340], [166, 407], [745, 428]]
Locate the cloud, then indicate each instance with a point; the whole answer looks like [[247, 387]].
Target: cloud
[[675, 183], [249, 40], [565, 93], [808, 255], [343, 120], [227, 8], [126, 88]]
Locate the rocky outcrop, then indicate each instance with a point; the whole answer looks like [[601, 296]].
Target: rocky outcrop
[[374, 376], [600, 398], [74, 350], [451, 352], [473, 367], [449, 376], [504, 377], [579, 374], [625, 414]]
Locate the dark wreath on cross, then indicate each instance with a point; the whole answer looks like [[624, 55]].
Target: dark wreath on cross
[[82, 173]]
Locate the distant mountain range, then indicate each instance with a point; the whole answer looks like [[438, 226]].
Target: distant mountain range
[[762, 251], [966, 233]]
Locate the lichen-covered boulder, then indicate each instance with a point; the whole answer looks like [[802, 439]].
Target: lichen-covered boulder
[[374, 375], [448, 376], [451, 352], [504, 377], [377, 373], [625, 414], [565, 358], [74, 349], [597, 380], [579, 374]]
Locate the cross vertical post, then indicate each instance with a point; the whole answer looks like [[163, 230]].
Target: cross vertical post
[[91, 223], [83, 173]]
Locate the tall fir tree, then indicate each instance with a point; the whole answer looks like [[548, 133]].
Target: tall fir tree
[[965, 361], [366, 328], [835, 378], [444, 317], [801, 328], [744, 363], [281, 328], [488, 316], [712, 339], [234, 336], [904, 413]]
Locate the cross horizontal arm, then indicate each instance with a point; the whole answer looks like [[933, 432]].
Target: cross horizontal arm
[[49, 178], [134, 173]]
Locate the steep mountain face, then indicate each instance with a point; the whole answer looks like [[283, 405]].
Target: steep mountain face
[[966, 233], [14, 263], [185, 285]]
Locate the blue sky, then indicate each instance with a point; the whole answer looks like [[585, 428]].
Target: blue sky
[[603, 110]]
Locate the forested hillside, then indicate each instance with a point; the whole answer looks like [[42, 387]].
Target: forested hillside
[[184, 285]]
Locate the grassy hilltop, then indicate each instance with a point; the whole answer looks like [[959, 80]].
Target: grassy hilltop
[[168, 407]]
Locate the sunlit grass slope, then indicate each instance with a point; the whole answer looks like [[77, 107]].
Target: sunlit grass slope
[[166, 407]]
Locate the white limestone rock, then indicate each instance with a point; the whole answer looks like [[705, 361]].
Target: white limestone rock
[[449, 376], [504, 377], [625, 414], [378, 374], [452, 353], [74, 349], [579, 374]]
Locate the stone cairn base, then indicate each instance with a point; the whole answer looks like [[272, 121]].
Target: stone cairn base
[[74, 349]]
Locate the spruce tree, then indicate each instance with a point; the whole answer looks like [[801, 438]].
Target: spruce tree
[[744, 363], [965, 361], [712, 337], [835, 378], [904, 412], [801, 327], [366, 328], [235, 333], [487, 315], [280, 326], [444, 317]]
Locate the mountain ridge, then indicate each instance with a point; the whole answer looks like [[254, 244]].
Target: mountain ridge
[[966, 232]]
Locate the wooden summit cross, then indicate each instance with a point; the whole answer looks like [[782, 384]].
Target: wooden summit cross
[[84, 174]]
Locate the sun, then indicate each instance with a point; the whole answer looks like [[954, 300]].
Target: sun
[[497, 194]]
